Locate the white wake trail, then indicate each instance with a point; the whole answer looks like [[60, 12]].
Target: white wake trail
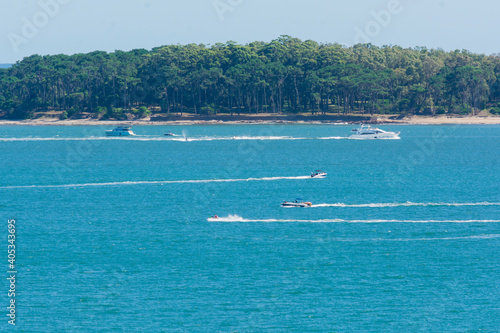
[[236, 218], [333, 138], [407, 204], [421, 239], [157, 182], [491, 236], [171, 139]]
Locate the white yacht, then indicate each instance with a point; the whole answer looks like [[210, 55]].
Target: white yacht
[[368, 132], [120, 131]]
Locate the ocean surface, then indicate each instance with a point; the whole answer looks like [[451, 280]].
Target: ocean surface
[[116, 234]]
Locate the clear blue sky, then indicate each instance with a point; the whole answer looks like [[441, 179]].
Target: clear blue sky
[[76, 26]]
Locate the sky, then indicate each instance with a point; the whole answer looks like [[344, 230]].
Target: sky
[[45, 27]]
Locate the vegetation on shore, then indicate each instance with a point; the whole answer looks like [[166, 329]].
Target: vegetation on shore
[[286, 75]]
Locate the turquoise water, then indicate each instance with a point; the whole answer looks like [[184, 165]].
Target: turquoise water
[[114, 233]]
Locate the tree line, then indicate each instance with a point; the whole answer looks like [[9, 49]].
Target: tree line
[[286, 75]]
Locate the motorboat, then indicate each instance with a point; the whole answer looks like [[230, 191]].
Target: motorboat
[[120, 131], [368, 132], [296, 203], [318, 174], [170, 134]]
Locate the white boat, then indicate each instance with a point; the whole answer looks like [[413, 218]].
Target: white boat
[[368, 132], [120, 131], [296, 203], [318, 174]]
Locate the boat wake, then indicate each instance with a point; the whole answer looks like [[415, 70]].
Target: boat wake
[[90, 138], [407, 204], [238, 138], [157, 182], [364, 139], [171, 138], [333, 138], [236, 218], [484, 236], [250, 138]]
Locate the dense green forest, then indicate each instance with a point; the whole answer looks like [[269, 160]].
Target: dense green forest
[[286, 75]]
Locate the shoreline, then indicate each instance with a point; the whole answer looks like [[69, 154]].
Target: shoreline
[[262, 119]]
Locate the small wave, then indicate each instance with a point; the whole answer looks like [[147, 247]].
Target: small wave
[[333, 138], [96, 138], [238, 138], [157, 182], [151, 138], [267, 138], [423, 221], [169, 139], [424, 239], [236, 218], [492, 236], [41, 139], [407, 204], [90, 138], [369, 139]]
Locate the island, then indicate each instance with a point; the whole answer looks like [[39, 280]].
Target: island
[[285, 80]]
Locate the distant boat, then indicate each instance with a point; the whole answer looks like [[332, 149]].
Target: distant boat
[[170, 134], [296, 203], [368, 132], [318, 174], [120, 131]]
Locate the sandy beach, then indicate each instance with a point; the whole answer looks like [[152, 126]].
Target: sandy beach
[[262, 119], [418, 120]]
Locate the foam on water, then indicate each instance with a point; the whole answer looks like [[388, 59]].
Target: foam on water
[[171, 139], [237, 218], [333, 138], [491, 236], [422, 239], [158, 182], [368, 139], [241, 138], [407, 204]]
